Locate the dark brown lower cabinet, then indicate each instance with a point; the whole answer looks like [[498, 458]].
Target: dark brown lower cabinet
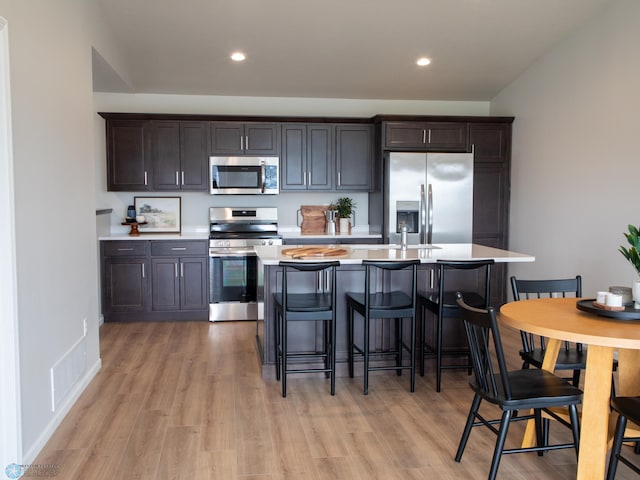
[[148, 281]]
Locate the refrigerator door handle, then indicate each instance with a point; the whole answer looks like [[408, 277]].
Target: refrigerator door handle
[[423, 215], [430, 217]]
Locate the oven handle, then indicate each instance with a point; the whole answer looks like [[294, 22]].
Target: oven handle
[[234, 253]]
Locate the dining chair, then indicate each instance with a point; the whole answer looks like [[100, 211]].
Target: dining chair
[[511, 391], [628, 408], [572, 356], [384, 304], [443, 305], [318, 305]]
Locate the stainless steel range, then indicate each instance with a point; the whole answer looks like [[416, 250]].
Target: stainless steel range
[[233, 275]]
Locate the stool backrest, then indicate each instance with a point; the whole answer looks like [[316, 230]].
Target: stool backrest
[[484, 280], [391, 265]]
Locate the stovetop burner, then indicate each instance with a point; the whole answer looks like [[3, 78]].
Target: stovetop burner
[[231, 227]]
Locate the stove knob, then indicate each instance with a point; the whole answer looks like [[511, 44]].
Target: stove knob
[[270, 242]]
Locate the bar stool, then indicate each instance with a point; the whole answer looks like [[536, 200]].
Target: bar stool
[[443, 304], [316, 306], [392, 304]]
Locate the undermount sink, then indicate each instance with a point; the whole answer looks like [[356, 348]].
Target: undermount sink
[[392, 246]]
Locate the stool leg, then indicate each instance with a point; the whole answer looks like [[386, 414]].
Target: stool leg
[[421, 336], [277, 344], [333, 354], [366, 354], [283, 332], [438, 351], [350, 339], [412, 354], [398, 345], [327, 346]]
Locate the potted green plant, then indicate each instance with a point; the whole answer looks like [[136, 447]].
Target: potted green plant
[[345, 207], [633, 255]]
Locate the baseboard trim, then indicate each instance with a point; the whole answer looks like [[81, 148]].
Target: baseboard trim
[[62, 411]]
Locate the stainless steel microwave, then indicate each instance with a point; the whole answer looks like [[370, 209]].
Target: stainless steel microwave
[[244, 175]]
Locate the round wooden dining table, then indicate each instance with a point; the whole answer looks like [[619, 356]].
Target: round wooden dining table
[[559, 320]]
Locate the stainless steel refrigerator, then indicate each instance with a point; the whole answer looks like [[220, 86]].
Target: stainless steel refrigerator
[[430, 193]]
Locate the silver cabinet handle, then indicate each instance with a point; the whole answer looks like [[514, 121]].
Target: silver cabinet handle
[[143, 275], [246, 142], [175, 265], [339, 179], [241, 142], [309, 177], [145, 177], [182, 270], [182, 177], [304, 178], [177, 178], [424, 136], [125, 249], [429, 135], [178, 248]]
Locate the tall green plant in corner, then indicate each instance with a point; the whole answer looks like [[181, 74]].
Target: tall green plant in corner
[[633, 253]]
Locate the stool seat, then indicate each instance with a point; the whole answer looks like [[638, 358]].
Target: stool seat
[[318, 305], [381, 304]]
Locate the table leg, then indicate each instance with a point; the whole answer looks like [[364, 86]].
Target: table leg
[[595, 413], [628, 372], [549, 364]]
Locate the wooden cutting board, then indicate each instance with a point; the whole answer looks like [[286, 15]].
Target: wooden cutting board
[[313, 252], [314, 221]]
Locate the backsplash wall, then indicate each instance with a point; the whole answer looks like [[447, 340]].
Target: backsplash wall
[[195, 206]]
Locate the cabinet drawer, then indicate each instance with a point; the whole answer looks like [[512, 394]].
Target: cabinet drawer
[[179, 248], [125, 248]]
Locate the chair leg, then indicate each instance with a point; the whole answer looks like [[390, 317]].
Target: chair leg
[[576, 378], [575, 427], [541, 430], [502, 436], [475, 405], [621, 424]]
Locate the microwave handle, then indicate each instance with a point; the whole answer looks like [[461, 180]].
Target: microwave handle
[[263, 175]]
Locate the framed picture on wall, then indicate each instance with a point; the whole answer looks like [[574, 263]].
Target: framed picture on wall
[[161, 214]]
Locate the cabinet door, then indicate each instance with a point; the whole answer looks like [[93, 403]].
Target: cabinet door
[[227, 138], [128, 155], [426, 136], [354, 149], [126, 284], [166, 155], [320, 157], [193, 283], [293, 163], [165, 284], [491, 142], [261, 139], [194, 156]]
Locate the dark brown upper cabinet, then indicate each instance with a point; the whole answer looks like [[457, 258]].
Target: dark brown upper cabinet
[[128, 155], [180, 155], [307, 161], [426, 136], [236, 138], [354, 157]]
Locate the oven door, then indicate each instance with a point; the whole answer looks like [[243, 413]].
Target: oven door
[[243, 175], [233, 284]]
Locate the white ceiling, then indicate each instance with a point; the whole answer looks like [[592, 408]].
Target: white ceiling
[[333, 48]]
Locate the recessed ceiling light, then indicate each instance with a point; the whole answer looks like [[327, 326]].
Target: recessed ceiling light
[[238, 56], [423, 61]]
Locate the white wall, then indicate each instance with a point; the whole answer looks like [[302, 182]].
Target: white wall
[[53, 163], [195, 205], [576, 160]]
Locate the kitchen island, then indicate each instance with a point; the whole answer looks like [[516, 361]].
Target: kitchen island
[[350, 277]]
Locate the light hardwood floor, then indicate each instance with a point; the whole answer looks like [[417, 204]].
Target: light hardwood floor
[[187, 401]]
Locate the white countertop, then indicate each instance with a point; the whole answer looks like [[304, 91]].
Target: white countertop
[[271, 255], [289, 232]]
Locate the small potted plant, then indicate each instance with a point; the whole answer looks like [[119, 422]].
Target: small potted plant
[[633, 255], [345, 207]]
